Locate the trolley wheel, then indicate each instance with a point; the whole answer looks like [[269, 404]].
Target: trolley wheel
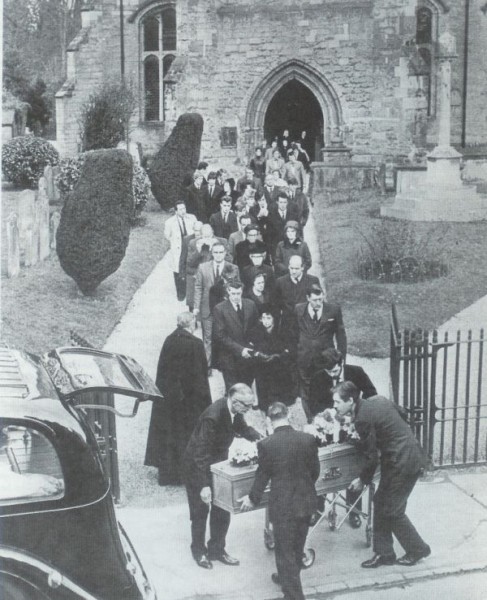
[[308, 559], [332, 519], [269, 541], [368, 536], [354, 520]]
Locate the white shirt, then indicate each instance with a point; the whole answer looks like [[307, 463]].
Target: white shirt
[[312, 313], [229, 405]]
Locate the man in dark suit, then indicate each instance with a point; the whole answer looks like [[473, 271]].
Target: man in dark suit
[[291, 289], [321, 397], [209, 444], [383, 430], [194, 198], [232, 320], [289, 458], [211, 195], [318, 326], [279, 215], [185, 398], [207, 275], [270, 190], [224, 222], [331, 373]]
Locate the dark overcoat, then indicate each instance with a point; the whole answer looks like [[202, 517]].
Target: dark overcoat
[[182, 377], [289, 459]]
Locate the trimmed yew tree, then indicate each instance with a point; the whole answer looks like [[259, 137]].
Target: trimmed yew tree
[[94, 230], [177, 159]]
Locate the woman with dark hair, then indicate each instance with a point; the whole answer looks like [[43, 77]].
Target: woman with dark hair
[[273, 361], [229, 189], [258, 293]]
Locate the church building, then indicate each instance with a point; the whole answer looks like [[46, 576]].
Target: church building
[[359, 73]]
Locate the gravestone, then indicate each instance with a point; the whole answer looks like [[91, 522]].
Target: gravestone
[[50, 174], [26, 222], [42, 219], [30, 250], [13, 247], [55, 218]]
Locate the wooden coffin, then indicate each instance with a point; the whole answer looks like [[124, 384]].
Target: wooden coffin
[[339, 465]]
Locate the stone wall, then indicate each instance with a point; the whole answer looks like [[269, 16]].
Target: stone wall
[[227, 48]]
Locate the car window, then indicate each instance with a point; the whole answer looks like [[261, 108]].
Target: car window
[[30, 470]]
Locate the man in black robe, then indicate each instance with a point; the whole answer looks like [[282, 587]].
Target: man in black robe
[[182, 377]]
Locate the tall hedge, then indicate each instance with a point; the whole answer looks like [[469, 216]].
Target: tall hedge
[[94, 230], [176, 159]]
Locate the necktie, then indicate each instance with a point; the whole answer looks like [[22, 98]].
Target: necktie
[[182, 226], [239, 312], [211, 192], [283, 214], [315, 316], [225, 217], [217, 272], [295, 281]]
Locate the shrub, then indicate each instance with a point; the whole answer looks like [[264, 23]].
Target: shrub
[[105, 116], [177, 157], [25, 158], [70, 172], [95, 219], [394, 251]]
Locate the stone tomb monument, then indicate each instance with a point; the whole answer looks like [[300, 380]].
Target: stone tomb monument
[[438, 193]]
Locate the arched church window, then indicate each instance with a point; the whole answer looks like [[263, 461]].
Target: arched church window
[[169, 29], [158, 51], [424, 26], [152, 88]]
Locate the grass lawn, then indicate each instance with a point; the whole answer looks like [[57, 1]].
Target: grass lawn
[[43, 304], [366, 305]]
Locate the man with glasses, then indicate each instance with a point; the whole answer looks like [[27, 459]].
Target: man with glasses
[[209, 444]]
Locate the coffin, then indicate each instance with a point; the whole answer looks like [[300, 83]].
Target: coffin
[[340, 464]]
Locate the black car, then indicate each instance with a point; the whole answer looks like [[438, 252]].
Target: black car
[[59, 535]]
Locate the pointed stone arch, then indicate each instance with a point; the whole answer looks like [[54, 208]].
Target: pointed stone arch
[[265, 90]]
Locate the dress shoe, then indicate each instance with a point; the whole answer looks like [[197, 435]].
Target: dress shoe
[[275, 578], [315, 517], [226, 559], [203, 561], [411, 558], [354, 520], [378, 560]]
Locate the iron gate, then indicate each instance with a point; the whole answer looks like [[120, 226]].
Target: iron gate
[[438, 378]]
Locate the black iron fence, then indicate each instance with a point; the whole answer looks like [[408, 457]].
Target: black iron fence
[[439, 379]]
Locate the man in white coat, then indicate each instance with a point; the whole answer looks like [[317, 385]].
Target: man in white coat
[[175, 229]]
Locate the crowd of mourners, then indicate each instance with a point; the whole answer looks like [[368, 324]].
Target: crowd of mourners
[[240, 261]]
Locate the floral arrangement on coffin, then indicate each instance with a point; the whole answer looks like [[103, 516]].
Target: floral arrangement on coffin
[[243, 453], [328, 429]]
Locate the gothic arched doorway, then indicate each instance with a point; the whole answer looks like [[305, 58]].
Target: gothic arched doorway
[[292, 94], [295, 107]]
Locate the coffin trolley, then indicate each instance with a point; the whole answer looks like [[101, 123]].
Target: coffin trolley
[[340, 464]]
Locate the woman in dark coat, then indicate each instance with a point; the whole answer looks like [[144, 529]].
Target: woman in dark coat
[[182, 377], [273, 377]]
